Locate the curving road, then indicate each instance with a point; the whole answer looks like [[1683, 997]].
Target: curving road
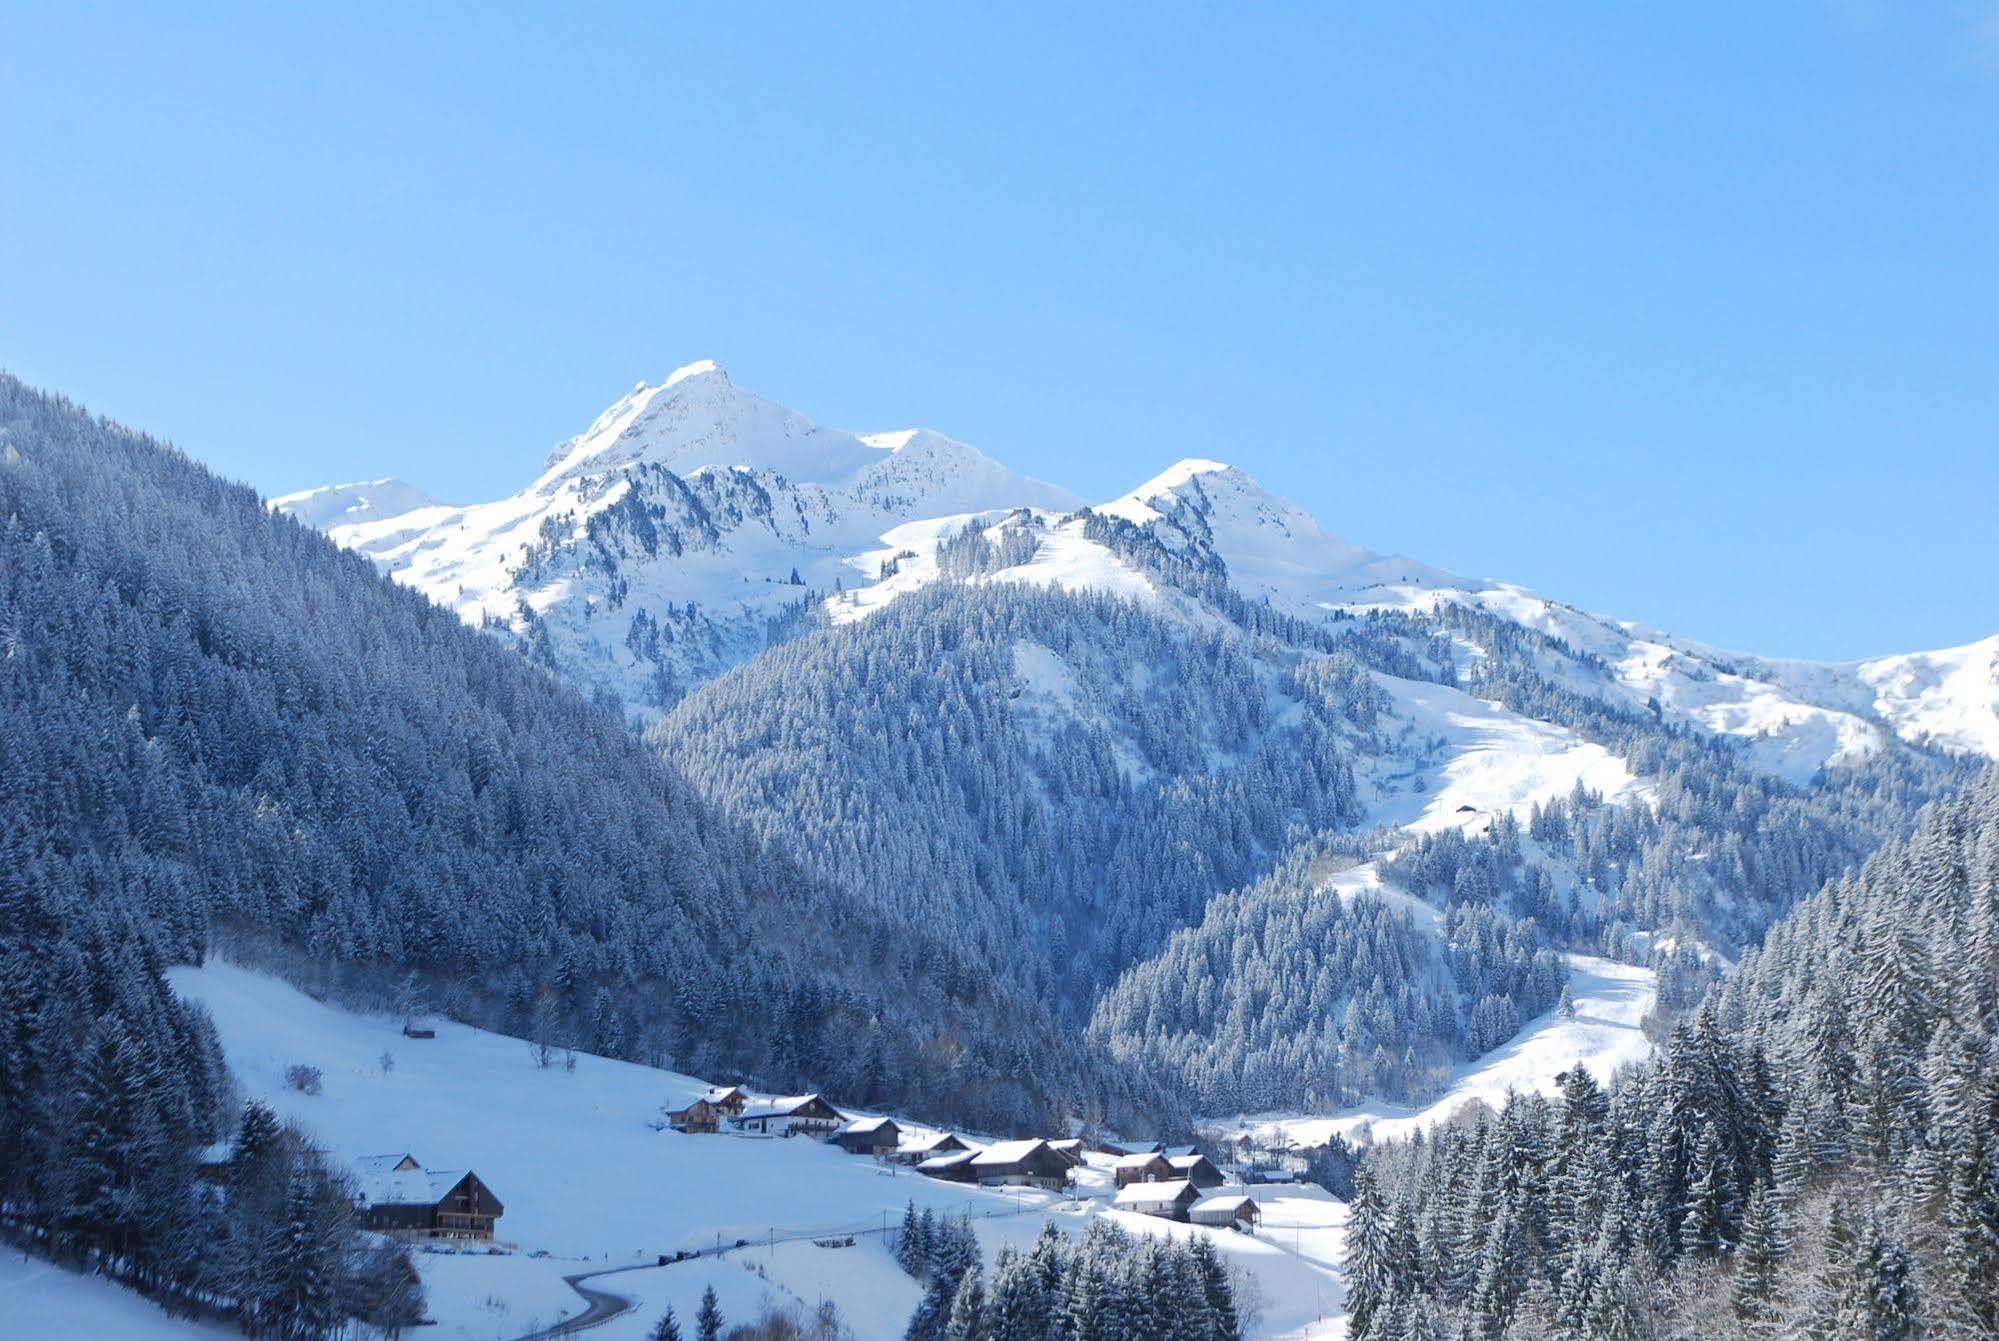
[[603, 1306]]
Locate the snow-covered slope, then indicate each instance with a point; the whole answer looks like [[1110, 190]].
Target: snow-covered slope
[[585, 1176], [39, 1299], [335, 505]]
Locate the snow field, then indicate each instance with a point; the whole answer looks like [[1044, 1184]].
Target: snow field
[[585, 1177]]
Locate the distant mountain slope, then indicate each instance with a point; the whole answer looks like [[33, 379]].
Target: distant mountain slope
[[214, 717]]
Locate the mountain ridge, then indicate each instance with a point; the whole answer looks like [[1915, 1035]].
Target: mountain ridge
[[773, 521]]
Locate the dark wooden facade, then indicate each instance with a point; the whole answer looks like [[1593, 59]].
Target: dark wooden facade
[[467, 1209], [876, 1136]]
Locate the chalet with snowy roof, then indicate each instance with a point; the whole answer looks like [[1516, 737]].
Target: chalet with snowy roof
[[1030, 1163], [869, 1136], [1070, 1149], [1169, 1200], [917, 1149], [1196, 1169], [1233, 1211], [395, 1195], [1147, 1168], [1122, 1148], [792, 1115], [955, 1167], [213, 1161], [710, 1111]]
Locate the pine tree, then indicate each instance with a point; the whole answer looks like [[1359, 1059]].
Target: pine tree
[[667, 1328], [1758, 1257], [1370, 1269], [1705, 1230], [708, 1321], [968, 1306]]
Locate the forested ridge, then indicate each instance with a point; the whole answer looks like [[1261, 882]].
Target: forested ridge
[[219, 730], [1815, 1151]]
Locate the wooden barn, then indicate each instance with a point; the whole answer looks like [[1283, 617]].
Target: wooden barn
[[710, 1111], [869, 1136], [954, 1168], [1070, 1149], [1233, 1212], [793, 1115], [1196, 1169], [1169, 1200], [1131, 1169], [396, 1195], [1123, 1148], [917, 1149], [1030, 1163]]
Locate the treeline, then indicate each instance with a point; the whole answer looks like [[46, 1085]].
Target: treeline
[[1105, 1285], [1815, 1153]]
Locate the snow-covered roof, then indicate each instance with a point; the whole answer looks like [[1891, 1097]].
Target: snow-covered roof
[[862, 1126], [1185, 1161], [950, 1161], [1154, 1194], [1179, 1151], [398, 1180], [783, 1106], [929, 1141], [1008, 1152], [1230, 1206], [1134, 1161], [1133, 1147]]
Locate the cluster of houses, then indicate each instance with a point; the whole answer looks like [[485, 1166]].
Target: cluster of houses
[[396, 1195], [1175, 1184]]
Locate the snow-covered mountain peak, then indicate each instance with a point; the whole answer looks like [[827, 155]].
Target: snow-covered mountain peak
[[698, 368], [698, 417]]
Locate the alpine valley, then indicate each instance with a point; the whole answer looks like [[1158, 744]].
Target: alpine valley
[[738, 751]]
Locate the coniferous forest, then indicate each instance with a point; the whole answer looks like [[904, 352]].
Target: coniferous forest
[[1814, 1152]]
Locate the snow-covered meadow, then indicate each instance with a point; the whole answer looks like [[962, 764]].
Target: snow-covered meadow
[[587, 1177]]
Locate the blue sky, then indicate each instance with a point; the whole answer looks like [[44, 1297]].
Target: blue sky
[[1685, 313]]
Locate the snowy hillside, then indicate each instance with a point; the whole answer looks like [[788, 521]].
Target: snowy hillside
[[586, 1177]]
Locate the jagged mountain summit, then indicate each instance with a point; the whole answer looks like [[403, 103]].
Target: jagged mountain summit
[[676, 536], [694, 523]]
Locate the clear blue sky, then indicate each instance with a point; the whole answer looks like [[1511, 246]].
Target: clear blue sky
[[1687, 313]]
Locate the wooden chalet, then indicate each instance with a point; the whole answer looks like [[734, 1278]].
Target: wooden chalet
[[1196, 1169], [869, 1136], [1119, 1149], [792, 1115], [395, 1195], [1169, 1200], [212, 1164], [1030, 1163], [1234, 1211], [1131, 1169], [710, 1111], [955, 1167], [917, 1149], [1070, 1149]]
